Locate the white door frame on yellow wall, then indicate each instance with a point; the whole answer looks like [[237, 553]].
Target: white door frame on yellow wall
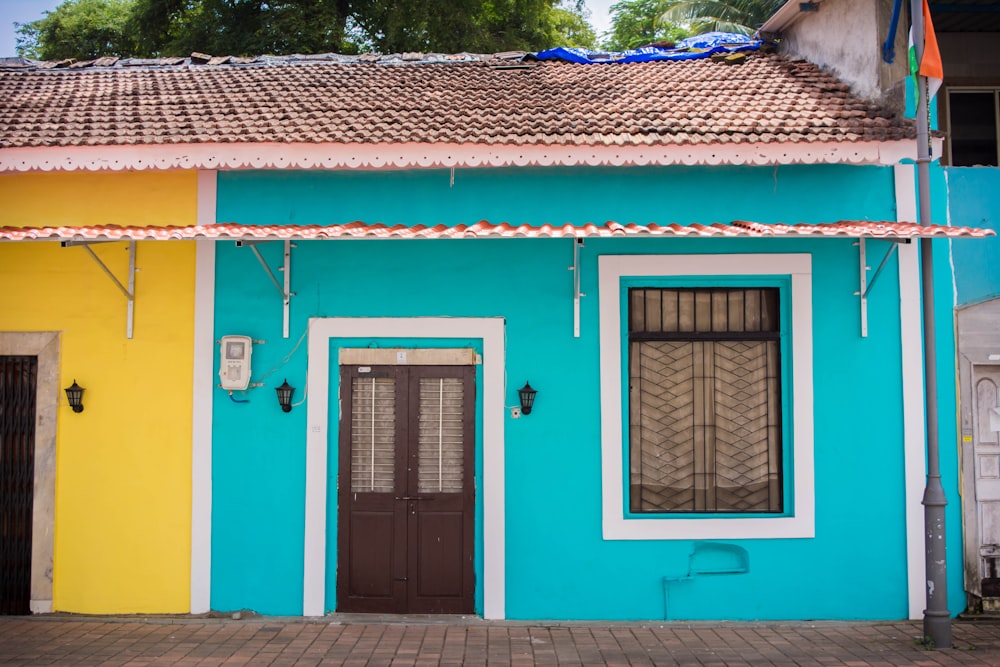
[[45, 346], [321, 331]]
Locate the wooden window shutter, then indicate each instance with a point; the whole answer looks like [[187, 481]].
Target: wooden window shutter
[[441, 446], [373, 435]]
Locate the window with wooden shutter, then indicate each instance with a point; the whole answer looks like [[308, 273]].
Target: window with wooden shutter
[[704, 400], [441, 447], [373, 435]]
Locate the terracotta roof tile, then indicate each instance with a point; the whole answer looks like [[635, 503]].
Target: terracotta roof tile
[[341, 100], [485, 229]]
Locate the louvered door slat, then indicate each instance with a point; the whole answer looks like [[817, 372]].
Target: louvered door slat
[[373, 430], [441, 443]]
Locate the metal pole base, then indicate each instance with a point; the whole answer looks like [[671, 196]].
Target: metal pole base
[[937, 629], [937, 618]]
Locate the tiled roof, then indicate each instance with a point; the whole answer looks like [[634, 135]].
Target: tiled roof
[[451, 100], [484, 229]]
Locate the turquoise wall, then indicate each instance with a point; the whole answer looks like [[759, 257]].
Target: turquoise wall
[[974, 200], [557, 196], [258, 451], [558, 565]]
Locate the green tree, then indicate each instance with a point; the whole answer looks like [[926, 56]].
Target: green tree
[[478, 26], [571, 27], [636, 23], [740, 16], [399, 26], [81, 29], [238, 27], [254, 27]]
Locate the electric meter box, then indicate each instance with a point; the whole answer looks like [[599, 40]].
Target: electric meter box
[[234, 362]]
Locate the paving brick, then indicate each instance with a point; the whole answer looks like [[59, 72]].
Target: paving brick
[[447, 642]]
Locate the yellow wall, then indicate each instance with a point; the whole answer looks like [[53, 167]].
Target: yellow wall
[[123, 466]]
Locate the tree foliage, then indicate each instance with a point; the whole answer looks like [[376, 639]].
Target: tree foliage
[[450, 26], [238, 27], [741, 16], [570, 26], [636, 23], [146, 28], [79, 29]]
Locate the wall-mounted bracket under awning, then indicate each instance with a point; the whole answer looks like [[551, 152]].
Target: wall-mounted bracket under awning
[[284, 287], [129, 292], [867, 284], [249, 235]]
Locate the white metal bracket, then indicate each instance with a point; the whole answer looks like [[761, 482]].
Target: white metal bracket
[[577, 244], [867, 284], [129, 292], [283, 287]]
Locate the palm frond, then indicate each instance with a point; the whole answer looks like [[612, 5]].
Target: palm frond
[[741, 16]]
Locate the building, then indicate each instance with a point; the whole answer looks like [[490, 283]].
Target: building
[[705, 269]]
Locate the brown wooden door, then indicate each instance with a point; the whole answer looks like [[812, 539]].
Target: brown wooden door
[[406, 493], [18, 376]]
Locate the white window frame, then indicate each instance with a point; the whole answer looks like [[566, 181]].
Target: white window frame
[[800, 521]]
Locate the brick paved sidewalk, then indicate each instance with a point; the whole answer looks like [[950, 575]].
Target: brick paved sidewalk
[[297, 643]]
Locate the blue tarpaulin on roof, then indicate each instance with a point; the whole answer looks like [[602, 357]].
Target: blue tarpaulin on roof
[[692, 48]]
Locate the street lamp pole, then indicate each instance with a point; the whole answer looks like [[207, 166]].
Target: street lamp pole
[[937, 618]]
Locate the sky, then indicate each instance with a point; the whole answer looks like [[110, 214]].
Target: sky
[[25, 11]]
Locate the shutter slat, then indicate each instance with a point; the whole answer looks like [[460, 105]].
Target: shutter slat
[[373, 435], [441, 443]]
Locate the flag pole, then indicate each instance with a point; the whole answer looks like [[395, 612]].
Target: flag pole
[[937, 618]]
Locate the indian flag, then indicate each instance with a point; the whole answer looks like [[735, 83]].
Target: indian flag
[[930, 65]]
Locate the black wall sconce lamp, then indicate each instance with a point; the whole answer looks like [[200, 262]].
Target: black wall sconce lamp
[[527, 396], [74, 394], [285, 392]]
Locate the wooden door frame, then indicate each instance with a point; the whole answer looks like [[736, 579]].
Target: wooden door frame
[[976, 340], [489, 330], [980, 372], [45, 346], [403, 553], [18, 387]]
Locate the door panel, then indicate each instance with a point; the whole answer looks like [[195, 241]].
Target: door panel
[[371, 558], [986, 420], [438, 554], [407, 513], [18, 379]]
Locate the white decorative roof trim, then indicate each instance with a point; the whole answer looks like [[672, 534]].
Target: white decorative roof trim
[[411, 156], [786, 15]]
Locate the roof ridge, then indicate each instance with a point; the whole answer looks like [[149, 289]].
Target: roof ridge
[[206, 60], [733, 51]]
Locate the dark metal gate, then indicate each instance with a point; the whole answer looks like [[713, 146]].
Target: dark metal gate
[[18, 376]]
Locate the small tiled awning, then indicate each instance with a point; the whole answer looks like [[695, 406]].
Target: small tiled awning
[[484, 229]]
